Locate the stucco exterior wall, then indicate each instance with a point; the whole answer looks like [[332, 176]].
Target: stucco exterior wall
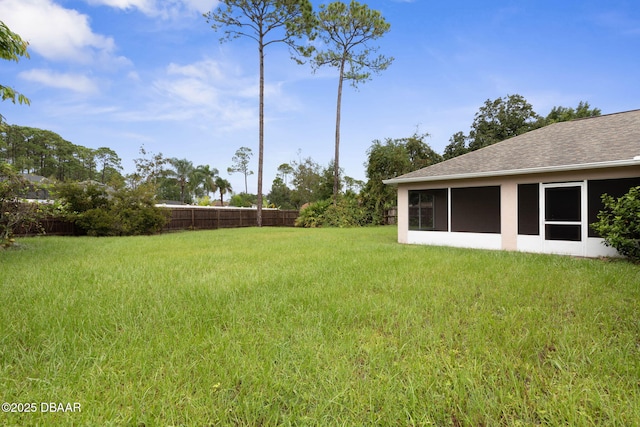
[[509, 215], [403, 214]]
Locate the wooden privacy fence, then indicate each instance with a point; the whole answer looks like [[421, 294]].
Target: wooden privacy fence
[[204, 218], [50, 226], [391, 216], [187, 218]]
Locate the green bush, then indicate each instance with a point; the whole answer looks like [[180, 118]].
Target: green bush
[[97, 222], [348, 212], [619, 223], [313, 215], [243, 200], [15, 213], [99, 211], [137, 213]]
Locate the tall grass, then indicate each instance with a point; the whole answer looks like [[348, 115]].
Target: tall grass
[[281, 326]]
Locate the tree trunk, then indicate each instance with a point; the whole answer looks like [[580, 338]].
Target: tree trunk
[[261, 131], [336, 160]]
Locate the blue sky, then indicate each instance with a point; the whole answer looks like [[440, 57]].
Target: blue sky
[[126, 73]]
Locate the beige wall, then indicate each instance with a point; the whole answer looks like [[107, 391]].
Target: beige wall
[[403, 214], [509, 215]]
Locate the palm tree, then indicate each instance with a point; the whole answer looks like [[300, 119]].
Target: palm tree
[[223, 187], [203, 180], [183, 170]]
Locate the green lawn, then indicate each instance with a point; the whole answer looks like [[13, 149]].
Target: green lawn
[[283, 326]]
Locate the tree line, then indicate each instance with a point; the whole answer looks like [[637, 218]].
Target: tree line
[[45, 153], [506, 117], [302, 181]]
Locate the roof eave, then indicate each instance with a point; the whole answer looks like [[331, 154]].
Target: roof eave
[[539, 170]]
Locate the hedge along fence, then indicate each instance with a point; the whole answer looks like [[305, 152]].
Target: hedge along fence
[[206, 218], [187, 218]]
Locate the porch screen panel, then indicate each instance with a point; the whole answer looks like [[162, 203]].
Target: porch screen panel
[[428, 210], [562, 204], [529, 209], [563, 232], [441, 200], [613, 187], [475, 209]]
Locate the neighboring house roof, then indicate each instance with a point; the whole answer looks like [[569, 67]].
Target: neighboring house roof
[[604, 141], [34, 178]]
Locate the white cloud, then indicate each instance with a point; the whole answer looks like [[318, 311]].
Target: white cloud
[[133, 75], [74, 82], [203, 70], [207, 89], [201, 5], [159, 8], [57, 33], [189, 92], [198, 84], [206, 93], [220, 88], [148, 7]]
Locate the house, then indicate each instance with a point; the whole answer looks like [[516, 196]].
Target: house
[[536, 192], [37, 187]]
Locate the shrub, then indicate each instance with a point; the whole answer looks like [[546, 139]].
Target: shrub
[[204, 201], [137, 213], [619, 223], [97, 222], [346, 213], [86, 205], [15, 213], [98, 211], [313, 215], [243, 200]]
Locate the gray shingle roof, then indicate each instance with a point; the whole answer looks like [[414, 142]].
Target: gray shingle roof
[[607, 138]]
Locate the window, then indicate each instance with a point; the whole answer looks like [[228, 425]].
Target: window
[[421, 210], [475, 209]]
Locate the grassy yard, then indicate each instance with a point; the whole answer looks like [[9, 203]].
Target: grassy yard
[[324, 327]]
